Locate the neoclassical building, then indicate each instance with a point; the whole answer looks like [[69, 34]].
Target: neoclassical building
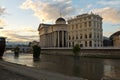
[[85, 30], [53, 35]]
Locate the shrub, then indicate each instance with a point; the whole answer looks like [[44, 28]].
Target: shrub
[[36, 51], [76, 50]]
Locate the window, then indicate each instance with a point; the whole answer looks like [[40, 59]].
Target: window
[[90, 35], [69, 38], [69, 44], [73, 44], [85, 43], [72, 26], [76, 36], [76, 26], [85, 24], [89, 17], [80, 25], [89, 23], [80, 36], [73, 38], [85, 35], [95, 45], [90, 43]]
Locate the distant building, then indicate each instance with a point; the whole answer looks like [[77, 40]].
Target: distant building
[[115, 37], [107, 42], [85, 30], [25, 49], [33, 43]]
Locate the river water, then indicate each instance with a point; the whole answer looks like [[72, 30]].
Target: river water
[[89, 68]]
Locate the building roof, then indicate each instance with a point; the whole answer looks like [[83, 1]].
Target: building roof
[[44, 25], [60, 20], [115, 34]]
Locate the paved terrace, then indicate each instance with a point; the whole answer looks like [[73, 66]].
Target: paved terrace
[[21, 72]]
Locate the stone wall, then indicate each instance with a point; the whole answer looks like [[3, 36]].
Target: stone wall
[[83, 52]]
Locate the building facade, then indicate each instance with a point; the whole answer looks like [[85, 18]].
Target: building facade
[[115, 38], [85, 30], [53, 35]]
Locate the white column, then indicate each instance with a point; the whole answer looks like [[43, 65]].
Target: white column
[[54, 42], [58, 39], [52, 39], [48, 40], [62, 38]]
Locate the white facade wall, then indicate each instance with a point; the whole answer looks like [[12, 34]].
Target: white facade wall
[[53, 35], [85, 30]]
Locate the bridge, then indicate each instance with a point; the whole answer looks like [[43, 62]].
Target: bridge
[[10, 47]]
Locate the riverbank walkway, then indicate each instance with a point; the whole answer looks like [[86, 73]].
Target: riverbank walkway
[[12, 71]]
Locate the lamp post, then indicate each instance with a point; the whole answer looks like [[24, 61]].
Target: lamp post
[[2, 45]]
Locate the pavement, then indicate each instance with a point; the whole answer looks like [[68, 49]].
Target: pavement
[[9, 75], [12, 71]]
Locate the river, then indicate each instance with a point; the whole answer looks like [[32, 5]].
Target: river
[[89, 68]]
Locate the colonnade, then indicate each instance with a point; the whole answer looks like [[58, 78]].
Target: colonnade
[[54, 39]]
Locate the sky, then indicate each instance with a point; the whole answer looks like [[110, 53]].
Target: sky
[[20, 18]]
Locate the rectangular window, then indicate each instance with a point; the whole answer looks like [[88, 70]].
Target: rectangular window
[[89, 23]]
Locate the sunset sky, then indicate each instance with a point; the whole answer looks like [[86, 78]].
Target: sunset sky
[[20, 18]]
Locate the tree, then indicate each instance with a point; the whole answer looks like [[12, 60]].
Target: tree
[[36, 52], [76, 50], [16, 51]]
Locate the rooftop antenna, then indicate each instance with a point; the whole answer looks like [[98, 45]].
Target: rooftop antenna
[[60, 13], [42, 20]]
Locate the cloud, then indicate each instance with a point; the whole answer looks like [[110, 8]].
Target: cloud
[[49, 10], [16, 36], [2, 11], [110, 2], [2, 23], [109, 14]]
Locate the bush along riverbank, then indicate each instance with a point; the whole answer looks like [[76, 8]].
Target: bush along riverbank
[[36, 52]]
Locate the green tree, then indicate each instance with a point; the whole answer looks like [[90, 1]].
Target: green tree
[[16, 51], [76, 50], [36, 52]]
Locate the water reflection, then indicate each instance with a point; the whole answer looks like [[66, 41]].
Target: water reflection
[[90, 68]]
